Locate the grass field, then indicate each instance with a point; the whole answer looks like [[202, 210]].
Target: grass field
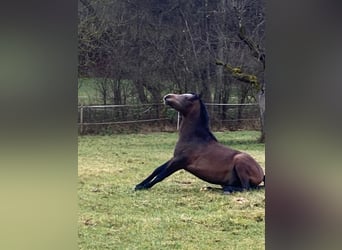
[[176, 213]]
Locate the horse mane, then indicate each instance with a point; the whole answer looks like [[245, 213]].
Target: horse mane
[[204, 129]]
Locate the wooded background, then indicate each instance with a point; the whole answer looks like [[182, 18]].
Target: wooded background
[[136, 51]]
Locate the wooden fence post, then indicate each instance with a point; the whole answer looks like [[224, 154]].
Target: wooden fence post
[[81, 119]]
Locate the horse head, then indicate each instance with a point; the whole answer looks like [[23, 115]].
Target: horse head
[[183, 103], [195, 118]]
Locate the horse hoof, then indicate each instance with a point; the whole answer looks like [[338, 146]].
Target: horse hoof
[[139, 187]]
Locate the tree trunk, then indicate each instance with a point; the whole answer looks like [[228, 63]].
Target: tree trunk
[[252, 79], [141, 92], [262, 107]]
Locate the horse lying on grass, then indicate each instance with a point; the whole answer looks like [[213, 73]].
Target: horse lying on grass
[[198, 152]]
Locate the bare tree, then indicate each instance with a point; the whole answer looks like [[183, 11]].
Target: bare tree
[[257, 51]]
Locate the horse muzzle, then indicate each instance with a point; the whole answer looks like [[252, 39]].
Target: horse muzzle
[[167, 98]]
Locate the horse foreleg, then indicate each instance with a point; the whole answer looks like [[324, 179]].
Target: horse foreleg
[[159, 169], [161, 173]]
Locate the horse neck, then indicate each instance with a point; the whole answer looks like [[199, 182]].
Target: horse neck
[[192, 128], [189, 123]]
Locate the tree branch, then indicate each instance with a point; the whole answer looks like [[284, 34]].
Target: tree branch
[[255, 48], [240, 75]]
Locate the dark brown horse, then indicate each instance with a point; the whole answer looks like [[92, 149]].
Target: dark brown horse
[[198, 152]]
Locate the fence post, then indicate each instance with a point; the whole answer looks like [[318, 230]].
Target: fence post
[[81, 119], [178, 118]]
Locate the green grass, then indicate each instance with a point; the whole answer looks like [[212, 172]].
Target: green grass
[[176, 213]]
